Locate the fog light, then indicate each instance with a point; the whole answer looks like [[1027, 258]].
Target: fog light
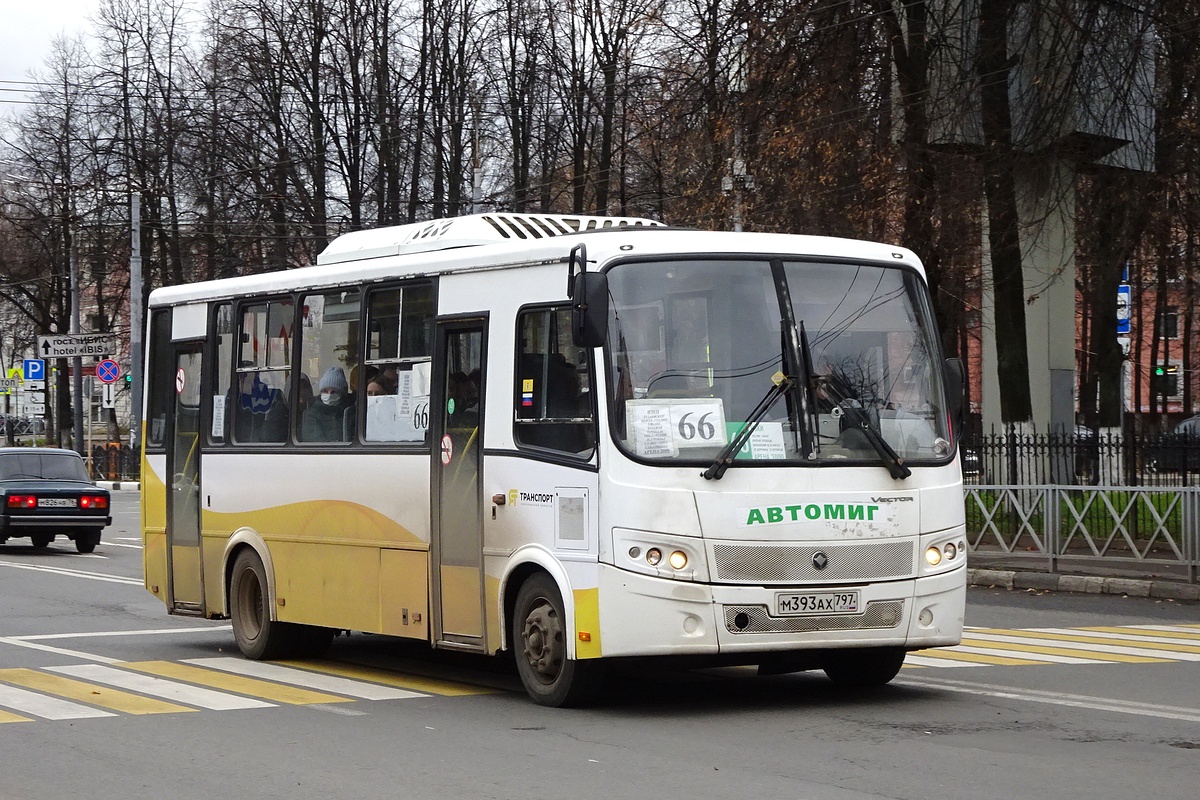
[[933, 556], [951, 551], [925, 617], [653, 556], [634, 552], [678, 559]]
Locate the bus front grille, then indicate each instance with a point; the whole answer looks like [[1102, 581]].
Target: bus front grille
[[756, 619], [844, 563]]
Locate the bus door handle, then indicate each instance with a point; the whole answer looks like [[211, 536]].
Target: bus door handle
[[498, 499]]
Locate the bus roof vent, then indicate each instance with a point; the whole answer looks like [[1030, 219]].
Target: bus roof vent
[[468, 231]]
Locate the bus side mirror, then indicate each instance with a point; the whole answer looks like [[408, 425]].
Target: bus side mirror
[[589, 309], [956, 385]]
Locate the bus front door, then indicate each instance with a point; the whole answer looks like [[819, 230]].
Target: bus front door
[[184, 580], [457, 503]]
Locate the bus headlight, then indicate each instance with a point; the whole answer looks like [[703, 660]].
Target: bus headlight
[[933, 556], [943, 553], [678, 560], [653, 556], [660, 555]]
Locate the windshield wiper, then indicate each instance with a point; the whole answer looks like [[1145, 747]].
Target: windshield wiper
[[725, 458], [858, 418]]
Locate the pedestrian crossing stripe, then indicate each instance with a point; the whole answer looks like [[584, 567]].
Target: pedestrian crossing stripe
[[414, 682], [239, 684], [81, 692], [1131, 644]]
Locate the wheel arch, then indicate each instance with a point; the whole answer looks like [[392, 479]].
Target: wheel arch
[[523, 563], [247, 539]]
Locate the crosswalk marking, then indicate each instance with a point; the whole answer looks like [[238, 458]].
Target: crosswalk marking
[[414, 682], [1097, 648], [241, 684], [160, 687], [5, 716], [977, 659], [303, 677], [1156, 633], [70, 689], [1030, 643], [40, 705]]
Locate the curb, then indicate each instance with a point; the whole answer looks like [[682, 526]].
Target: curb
[[1086, 584], [117, 486]]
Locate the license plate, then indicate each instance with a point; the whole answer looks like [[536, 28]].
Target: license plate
[[799, 604], [57, 502]]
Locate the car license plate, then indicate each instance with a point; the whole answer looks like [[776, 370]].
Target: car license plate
[[799, 604], [57, 502]]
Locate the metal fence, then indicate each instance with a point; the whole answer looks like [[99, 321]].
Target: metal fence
[[1082, 457], [1153, 530], [114, 462]]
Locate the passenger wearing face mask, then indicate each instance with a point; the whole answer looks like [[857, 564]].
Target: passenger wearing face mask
[[323, 420]]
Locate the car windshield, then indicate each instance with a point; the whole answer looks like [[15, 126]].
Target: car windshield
[[49, 466], [695, 345]]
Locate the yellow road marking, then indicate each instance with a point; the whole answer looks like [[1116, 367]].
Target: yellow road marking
[[6, 716], [1078, 652], [91, 693], [415, 682], [1186, 637], [253, 687], [977, 658], [1066, 637]]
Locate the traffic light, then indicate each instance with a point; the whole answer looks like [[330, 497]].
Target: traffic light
[[128, 377]]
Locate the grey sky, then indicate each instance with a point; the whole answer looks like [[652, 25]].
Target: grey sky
[[27, 31]]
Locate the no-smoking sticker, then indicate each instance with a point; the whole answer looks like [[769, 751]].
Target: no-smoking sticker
[[179, 380], [447, 449]]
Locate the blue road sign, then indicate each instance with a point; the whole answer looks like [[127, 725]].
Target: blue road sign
[[108, 370], [35, 369], [1123, 303]]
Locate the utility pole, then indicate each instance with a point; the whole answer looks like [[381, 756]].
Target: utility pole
[[77, 362], [136, 325]]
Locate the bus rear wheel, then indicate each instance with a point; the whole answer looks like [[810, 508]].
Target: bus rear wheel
[[257, 635], [863, 668], [539, 636]]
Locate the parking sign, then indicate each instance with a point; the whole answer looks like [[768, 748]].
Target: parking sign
[[35, 369]]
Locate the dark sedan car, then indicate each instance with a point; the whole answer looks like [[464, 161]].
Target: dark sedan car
[[45, 492]]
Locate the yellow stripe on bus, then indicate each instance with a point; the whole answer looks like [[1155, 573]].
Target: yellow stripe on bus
[[91, 693], [1071, 637], [253, 687], [978, 658], [1077, 652], [415, 682], [1185, 637]]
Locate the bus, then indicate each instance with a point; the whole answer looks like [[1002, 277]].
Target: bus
[[576, 440]]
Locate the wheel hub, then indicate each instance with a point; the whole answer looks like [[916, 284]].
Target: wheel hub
[[543, 642]]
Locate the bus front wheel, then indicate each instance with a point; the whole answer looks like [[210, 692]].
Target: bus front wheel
[[539, 636], [257, 635], [862, 668]]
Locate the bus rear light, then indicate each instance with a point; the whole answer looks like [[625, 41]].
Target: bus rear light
[[22, 501]]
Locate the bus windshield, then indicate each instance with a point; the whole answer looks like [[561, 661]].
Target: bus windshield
[[695, 346]]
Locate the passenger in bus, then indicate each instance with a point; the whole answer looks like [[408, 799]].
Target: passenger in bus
[[324, 421]]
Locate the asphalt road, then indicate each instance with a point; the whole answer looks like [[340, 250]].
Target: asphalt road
[[103, 695]]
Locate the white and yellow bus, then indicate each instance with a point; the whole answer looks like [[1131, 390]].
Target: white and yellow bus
[[572, 438]]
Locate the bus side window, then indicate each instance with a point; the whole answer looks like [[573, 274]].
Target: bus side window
[[260, 405], [329, 357], [554, 404], [162, 382], [398, 342]]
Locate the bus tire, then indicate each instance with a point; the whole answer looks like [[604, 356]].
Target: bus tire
[[257, 635], [539, 636], [865, 667]]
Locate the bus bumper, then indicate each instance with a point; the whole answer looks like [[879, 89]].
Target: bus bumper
[[655, 616]]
